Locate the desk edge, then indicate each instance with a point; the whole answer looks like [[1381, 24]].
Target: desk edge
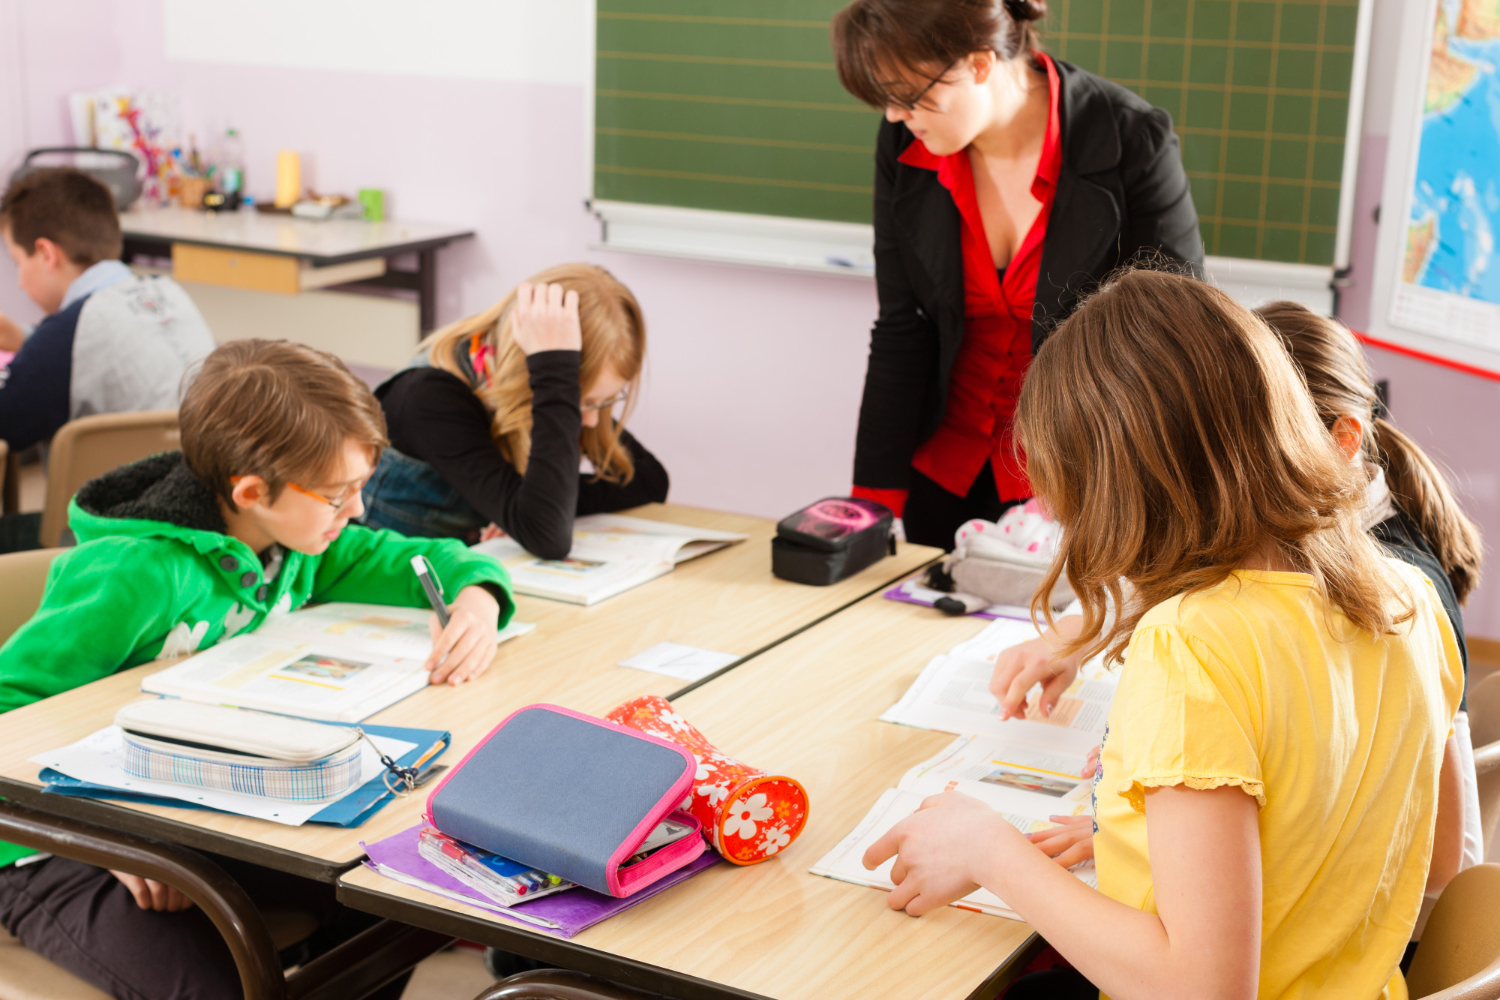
[[106, 813]]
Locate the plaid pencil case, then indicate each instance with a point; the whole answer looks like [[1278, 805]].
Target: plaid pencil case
[[237, 750]]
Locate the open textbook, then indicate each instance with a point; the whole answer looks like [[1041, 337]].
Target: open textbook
[[952, 695], [1025, 782], [611, 554], [334, 662]]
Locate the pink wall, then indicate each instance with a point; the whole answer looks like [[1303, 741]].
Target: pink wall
[[754, 376]]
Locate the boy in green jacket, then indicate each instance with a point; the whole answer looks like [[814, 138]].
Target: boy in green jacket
[[182, 550]]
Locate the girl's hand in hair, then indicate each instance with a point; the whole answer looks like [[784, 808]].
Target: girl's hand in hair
[[545, 318], [1020, 668]]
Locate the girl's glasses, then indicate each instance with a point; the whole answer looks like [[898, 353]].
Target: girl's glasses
[[914, 103], [608, 404]]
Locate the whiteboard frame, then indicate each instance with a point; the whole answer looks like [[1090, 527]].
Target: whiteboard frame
[[1418, 26]]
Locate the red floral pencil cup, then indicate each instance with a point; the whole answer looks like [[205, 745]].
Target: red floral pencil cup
[[748, 815]]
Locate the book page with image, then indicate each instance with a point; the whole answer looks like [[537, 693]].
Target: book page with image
[[309, 680], [611, 553], [1026, 785], [952, 695], [380, 630]]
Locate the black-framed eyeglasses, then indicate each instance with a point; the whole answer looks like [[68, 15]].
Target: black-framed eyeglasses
[[916, 102]]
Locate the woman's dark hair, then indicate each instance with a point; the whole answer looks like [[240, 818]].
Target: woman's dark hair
[[874, 40]]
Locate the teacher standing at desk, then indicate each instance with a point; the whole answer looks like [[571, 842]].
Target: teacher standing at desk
[[1007, 184]]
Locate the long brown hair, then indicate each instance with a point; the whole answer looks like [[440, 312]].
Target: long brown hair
[[1339, 380], [614, 337], [875, 40], [1172, 438]]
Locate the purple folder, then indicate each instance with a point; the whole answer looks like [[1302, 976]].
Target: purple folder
[[572, 911]]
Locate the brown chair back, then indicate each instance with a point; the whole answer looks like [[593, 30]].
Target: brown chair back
[[1459, 957], [91, 446], [1484, 727], [23, 576]]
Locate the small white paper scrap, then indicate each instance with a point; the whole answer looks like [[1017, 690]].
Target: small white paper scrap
[[688, 663]]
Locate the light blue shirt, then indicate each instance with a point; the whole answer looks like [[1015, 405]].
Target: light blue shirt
[[100, 275]]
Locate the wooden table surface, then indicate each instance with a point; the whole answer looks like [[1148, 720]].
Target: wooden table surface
[[809, 709], [726, 600]]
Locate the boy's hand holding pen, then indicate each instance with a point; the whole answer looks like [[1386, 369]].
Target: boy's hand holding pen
[[464, 634]]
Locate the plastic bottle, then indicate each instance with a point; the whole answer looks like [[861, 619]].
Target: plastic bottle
[[232, 164]]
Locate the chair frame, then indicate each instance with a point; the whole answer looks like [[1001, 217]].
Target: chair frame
[[354, 969]]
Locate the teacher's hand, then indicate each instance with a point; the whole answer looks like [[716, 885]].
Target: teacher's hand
[[545, 318]]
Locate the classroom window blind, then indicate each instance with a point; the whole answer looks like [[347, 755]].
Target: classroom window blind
[[736, 107]]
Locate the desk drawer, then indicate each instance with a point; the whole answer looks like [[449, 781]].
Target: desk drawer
[[264, 272]]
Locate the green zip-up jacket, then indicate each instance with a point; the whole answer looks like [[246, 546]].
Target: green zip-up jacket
[[155, 574]]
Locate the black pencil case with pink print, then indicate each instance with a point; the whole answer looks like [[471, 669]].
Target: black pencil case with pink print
[[832, 539]]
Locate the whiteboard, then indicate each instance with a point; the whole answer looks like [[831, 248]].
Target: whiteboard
[[1437, 276]]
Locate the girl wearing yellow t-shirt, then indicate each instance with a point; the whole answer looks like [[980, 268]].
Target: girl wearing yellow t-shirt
[[1278, 783]]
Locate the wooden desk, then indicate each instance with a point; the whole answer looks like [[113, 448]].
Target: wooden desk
[[281, 253], [807, 708], [726, 600]]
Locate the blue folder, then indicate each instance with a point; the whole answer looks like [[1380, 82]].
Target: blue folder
[[351, 810]]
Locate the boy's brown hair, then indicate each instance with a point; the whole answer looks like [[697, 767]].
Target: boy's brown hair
[[277, 410], [1170, 434], [68, 207], [1339, 380]]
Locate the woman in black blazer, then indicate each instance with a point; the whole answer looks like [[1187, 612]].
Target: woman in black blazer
[[1007, 184]]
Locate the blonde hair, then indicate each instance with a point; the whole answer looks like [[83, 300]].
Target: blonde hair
[[614, 337], [1339, 380], [1168, 431]]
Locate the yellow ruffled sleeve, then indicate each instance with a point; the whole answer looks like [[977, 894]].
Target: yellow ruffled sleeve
[[1183, 717]]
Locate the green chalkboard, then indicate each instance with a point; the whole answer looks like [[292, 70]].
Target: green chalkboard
[[736, 107]]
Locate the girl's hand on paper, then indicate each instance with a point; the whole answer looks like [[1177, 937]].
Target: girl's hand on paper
[[464, 649], [1068, 843], [942, 851], [490, 532], [152, 895], [545, 318], [1091, 763], [1020, 668]]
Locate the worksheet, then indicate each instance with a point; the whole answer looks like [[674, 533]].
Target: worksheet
[[952, 695]]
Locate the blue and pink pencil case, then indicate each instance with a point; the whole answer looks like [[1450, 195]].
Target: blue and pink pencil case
[[571, 795]]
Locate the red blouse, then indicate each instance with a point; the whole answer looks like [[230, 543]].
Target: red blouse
[[996, 350]]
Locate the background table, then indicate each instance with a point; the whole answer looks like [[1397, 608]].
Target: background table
[[807, 708], [726, 600], [331, 250]]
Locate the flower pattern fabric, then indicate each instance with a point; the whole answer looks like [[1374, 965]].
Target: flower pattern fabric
[[747, 814]]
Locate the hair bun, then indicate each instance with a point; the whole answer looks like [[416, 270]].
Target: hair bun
[[1026, 10]]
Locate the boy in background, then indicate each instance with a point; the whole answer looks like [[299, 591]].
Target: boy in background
[[182, 550], [112, 341]]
